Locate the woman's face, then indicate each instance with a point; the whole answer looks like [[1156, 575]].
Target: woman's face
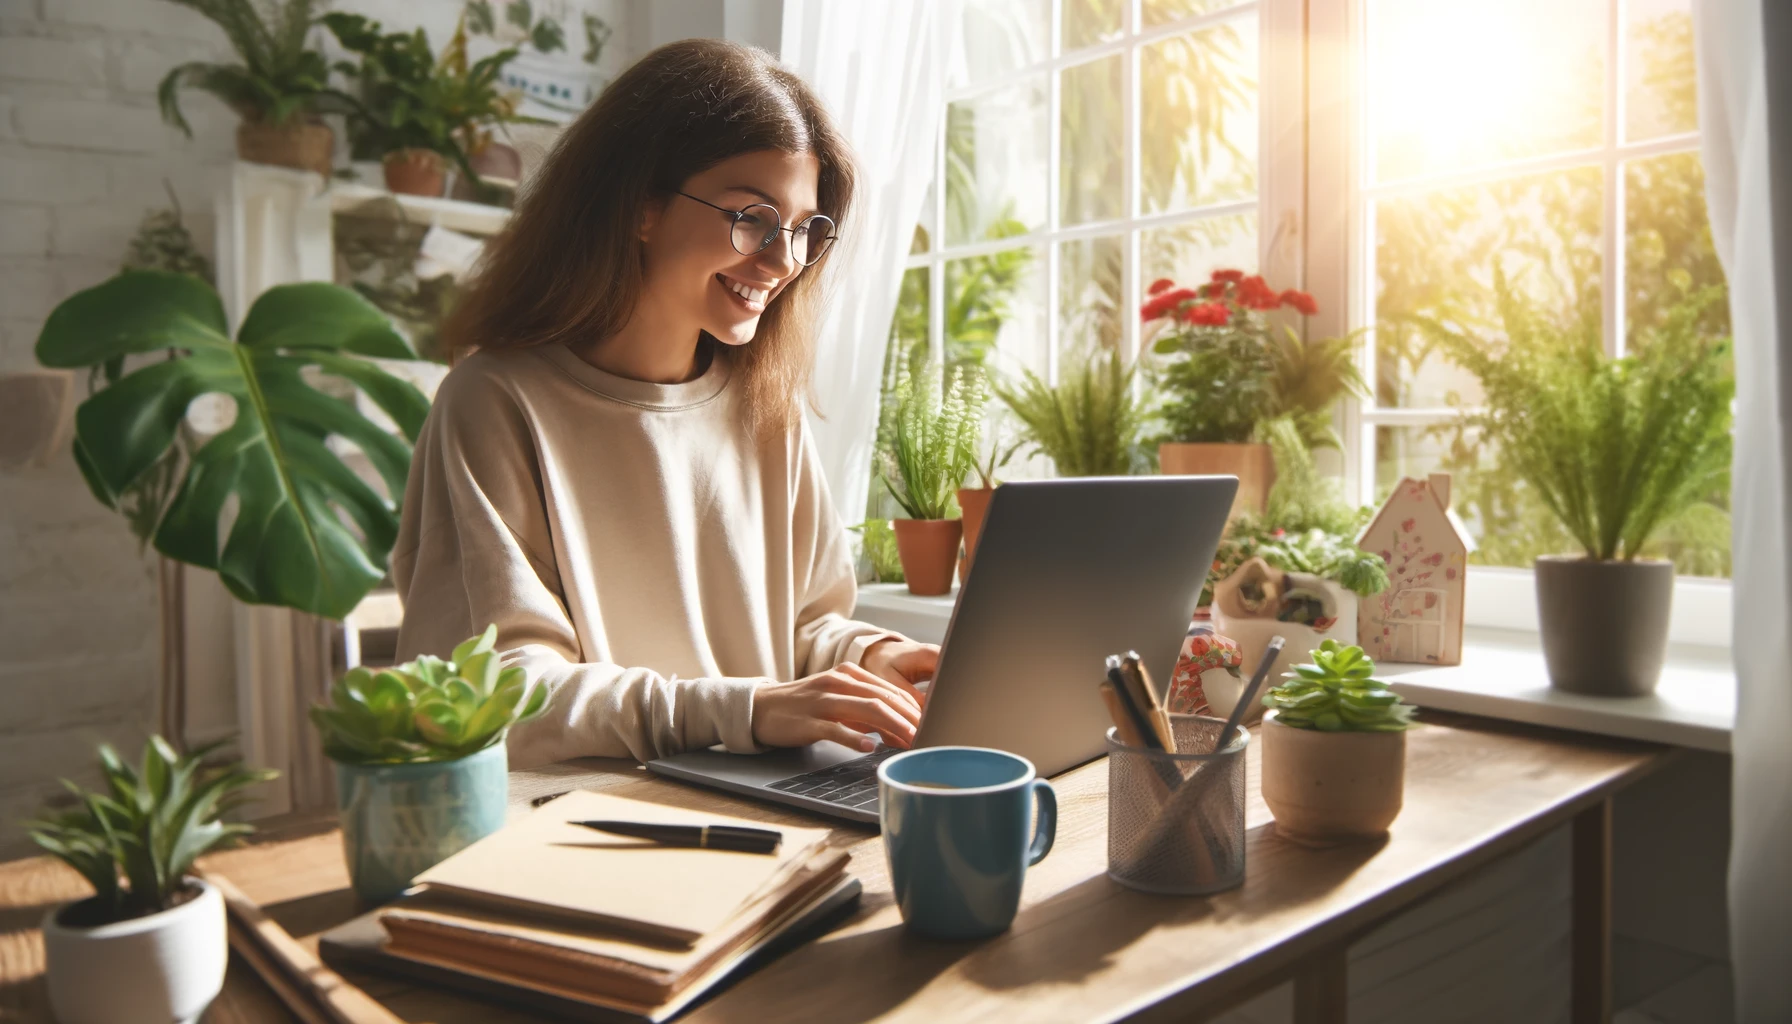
[[693, 270]]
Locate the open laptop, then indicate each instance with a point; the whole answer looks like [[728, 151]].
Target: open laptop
[[1067, 572]]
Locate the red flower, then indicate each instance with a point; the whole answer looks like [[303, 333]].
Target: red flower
[[1278, 533], [1256, 293], [1165, 303], [1228, 276], [1301, 301], [1160, 285], [1207, 314]]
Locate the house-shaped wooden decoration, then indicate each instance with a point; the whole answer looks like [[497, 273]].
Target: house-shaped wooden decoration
[[1419, 617]]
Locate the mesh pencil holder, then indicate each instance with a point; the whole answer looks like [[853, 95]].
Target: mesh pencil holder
[[1176, 821]]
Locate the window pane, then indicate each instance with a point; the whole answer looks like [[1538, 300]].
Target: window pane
[[1661, 89], [996, 163], [995, 310], [1089, 274], [1668, 255], [1454, 85], [1198, 117], [908, 340], [1161, 12], [1092, 126], [1000, 36], [1435, 257], [1087, 22], [1188, 254]]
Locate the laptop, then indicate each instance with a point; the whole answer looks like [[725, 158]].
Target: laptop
[[1067, 572]]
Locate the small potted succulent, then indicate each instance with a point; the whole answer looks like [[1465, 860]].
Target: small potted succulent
[[933, 448], [150, 946], [421, 770], [1089, 422], [1224, 372], [1334, 749]]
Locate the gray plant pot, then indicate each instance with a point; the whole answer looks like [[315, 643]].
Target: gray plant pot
[[1604, 624]]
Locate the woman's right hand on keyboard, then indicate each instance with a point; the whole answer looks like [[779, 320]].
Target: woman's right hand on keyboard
[[845, 704]]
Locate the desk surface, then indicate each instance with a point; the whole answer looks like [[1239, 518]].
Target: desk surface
[[1082, 947]]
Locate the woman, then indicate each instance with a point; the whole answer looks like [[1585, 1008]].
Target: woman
[[620, 476]]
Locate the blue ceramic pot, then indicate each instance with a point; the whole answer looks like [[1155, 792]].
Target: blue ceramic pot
[[399, 820]]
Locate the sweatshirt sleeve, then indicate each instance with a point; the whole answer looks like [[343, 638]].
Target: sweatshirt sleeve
[[474, 548], [826, 635]]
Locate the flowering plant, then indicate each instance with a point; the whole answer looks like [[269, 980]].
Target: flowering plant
[[1225, 370]]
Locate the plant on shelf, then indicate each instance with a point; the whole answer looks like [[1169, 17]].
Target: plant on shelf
[[426, 736], [1334, 748], [279, 89], [1088, 424], [135, 840], [934, 441], [304, 531], [1224, 372], [1615, 449], [973, 502], [881, 556]]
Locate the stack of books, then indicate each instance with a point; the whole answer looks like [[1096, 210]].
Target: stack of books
[[580, 919]]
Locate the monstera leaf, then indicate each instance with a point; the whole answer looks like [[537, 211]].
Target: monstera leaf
[[307, 533]]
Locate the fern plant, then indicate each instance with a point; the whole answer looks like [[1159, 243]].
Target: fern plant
[[1088, 424], [281, 78], [935, 439], [148, 824], [1615, 448], [1338, 692], [427, 709]]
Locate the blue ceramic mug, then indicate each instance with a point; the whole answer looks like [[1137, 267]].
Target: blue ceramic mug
[[957, 834]]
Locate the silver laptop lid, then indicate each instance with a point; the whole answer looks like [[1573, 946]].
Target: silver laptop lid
[[1068, 572]]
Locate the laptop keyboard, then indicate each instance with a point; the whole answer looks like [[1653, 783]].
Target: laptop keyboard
[[849, 783]]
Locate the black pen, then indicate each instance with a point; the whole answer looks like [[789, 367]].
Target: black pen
[[709, 837]]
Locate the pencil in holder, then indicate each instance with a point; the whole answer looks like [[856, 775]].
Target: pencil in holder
[[1176, 821]]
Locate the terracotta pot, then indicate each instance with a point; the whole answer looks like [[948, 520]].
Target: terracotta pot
[[415, 172], [302, 145], [1604, 624], [1252, 464], [973, 502], [928, 547], [1332, 787]]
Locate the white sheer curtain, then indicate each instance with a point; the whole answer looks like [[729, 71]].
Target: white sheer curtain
[[1734, 125], [878, 68]]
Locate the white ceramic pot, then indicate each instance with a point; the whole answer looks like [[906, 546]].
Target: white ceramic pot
[[159, 969], [1252, 635]]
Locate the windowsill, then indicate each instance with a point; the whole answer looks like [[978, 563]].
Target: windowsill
[[1502, 676]]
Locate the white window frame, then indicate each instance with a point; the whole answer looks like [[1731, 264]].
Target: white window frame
[[1340, 261]]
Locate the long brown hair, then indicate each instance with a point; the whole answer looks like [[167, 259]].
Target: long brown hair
[[568, 267]]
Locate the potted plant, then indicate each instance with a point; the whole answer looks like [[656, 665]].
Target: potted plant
[[418, 112], [1334, 749], [421, 770], [1224, 372], [280, 88], [973, 502], [1616, 449], [149, 946], [933, 447], [1088, 423]]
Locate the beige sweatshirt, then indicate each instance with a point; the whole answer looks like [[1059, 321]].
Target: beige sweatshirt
[[641, 554]]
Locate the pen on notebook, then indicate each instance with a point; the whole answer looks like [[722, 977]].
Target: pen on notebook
[[709, 837]]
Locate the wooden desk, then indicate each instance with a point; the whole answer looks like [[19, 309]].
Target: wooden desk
[[1082, 949]]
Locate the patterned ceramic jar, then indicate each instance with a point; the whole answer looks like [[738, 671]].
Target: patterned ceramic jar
[[399, 820]]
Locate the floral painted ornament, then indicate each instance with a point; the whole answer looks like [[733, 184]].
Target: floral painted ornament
[[1203, 651]]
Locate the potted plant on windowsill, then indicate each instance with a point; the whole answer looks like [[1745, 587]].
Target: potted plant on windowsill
[[973, 502], [1616, 449], [1334, 749], [1088, 423], [150, 947], [1224, 371], [421, 771], [279, 90], [933, 447]]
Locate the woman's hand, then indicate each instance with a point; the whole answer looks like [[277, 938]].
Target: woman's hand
[[903, 662], [844, 704]]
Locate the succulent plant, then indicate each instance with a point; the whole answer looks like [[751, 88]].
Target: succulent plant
[[427, 709], [149, 824], [1338, 692]]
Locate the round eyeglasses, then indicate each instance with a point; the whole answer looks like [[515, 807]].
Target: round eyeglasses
[[756, 226]]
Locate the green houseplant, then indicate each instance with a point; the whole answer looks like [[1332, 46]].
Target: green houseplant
[[307, 532], [933, 448], [421, 770], [1334, 749], [279, 90], [1088, 424], [973, 502], [1615, 449], [1224, 372], [135, 840]]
